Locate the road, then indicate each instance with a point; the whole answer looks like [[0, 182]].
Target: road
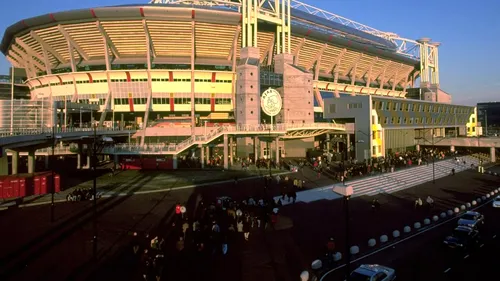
[[35, 249], [424, 256]]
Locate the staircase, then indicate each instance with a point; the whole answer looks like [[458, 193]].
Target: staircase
[[391, 182]]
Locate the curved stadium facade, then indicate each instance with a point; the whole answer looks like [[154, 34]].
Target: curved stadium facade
[[160, 61]]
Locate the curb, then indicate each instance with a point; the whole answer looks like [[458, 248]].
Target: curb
[[410, 235]]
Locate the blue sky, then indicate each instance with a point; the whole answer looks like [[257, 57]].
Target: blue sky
[[469, 32]]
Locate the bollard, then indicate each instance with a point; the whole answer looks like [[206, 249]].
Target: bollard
[[474, 203], [384, 238], [450, 212], [456, 210], [372, 242], [427, 221], [488, 195], [483, 197], [417, 225], [407, 229], [462, 207], [337, 256], [492, 193], [436, 218], [317, 264], [395, 233], [478, 200], [354, 250], [443, 215], [468, 205]]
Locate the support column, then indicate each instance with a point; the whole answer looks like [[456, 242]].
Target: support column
[[88, 162], [79, 161], [208, 154], [493, 157], [226, 152], [255, 150], [31, 162], [174, 162], [202, 156], [328, 144], [116, 161], [277, 141], [231, 154], [15, 162], [4, 163], [417, 147], [452, 148], [348, 144], [47, 164]]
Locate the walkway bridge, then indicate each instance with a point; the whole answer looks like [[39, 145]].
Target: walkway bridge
[[285, 131], [487, 142], [22, 138]]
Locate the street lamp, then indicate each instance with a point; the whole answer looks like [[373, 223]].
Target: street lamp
[[81, 123], [53, 187], [346, 192]]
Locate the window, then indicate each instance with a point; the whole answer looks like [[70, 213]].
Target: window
[[473, 120], [333, 108], [373, 120], [354, 105], [375, 152]]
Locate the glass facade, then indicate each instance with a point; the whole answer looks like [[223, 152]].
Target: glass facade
[[488, 114]]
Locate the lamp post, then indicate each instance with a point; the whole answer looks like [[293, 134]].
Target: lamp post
[[347, 197], [81, 123], [433, 160], [52, 206], [94, 191]]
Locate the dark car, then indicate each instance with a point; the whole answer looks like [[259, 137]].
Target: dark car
[[471, 219], [462, 237]]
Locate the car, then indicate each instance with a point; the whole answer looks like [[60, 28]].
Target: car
[[471, 219], [373, 272], [496, 202], [462, 237]]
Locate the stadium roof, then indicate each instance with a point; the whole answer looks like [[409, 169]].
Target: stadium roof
[[302, 22]]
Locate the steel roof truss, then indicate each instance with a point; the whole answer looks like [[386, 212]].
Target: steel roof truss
[[368, 75], [234, 43], [109, 42], [28, 57], [317, 60], [354, 68], [338, 60], [73, 44], [296, 52], [47, 47], [13, 61], [150, 46]]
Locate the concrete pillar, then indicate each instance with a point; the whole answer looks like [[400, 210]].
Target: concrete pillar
[[116, 161], [79, 161], [15, 162], [277, 141], [174, 162], [4, 163], [231, 154], [202, 156], [255, 149], [452, 148], [417, 147], [47, 163], [31, 162], [88, 162], [226, 152], [328, 144], [208, 153], [348, 142], [493, 157]]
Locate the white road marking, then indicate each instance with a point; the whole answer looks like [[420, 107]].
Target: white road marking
[[449, 268], [466, 257], [481, 245], [424, 230], [495, 236]]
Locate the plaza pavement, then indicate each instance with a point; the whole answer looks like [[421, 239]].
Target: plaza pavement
[[35, 246]]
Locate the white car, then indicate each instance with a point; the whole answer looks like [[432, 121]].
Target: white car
[[373, 272], [496, 202]]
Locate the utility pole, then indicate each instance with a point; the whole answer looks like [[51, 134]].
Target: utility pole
[[94, 175], [52, 205]]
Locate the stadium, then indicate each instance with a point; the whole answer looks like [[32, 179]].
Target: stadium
[[178, 69]]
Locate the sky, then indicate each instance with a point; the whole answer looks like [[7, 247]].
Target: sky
[[468, 30]]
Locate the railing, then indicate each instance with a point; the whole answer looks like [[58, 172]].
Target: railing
[[203, 139], [23, 132]]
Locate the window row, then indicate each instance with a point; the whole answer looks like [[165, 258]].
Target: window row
[[125, 101], [421, 120], [132, 80], [417, 107]]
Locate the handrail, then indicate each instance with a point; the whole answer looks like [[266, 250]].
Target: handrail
[[4, 132], [210, 136]]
